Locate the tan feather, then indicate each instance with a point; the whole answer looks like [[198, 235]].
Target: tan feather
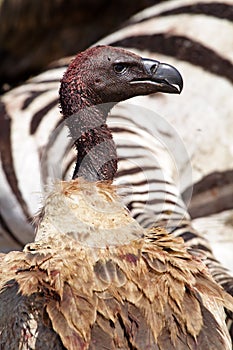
[[148, 292]]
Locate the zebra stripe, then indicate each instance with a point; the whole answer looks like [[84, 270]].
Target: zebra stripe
[[216, 9], [182, 48]]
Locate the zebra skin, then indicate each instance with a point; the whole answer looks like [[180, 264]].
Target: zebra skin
[[165, 144], [197, 37]]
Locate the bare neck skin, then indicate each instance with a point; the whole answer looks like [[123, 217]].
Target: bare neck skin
[[86, 119]]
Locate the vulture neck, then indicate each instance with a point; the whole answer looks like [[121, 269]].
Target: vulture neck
[[85, 115]]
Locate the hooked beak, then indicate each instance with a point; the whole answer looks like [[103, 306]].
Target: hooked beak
[[162, 77]]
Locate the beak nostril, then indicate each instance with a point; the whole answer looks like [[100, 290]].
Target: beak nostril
[[150, 65], [154, 68]]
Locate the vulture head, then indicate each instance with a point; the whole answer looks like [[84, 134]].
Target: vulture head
[[105, 74], [97, 79]]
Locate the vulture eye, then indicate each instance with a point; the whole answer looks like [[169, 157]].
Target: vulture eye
[[120, 68]]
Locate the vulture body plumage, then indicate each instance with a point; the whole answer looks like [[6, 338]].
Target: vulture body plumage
[[94, 278]]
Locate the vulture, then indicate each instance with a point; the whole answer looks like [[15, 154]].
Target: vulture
[[94, 278]]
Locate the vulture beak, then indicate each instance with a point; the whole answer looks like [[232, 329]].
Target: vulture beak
[[163, 76]]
